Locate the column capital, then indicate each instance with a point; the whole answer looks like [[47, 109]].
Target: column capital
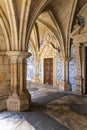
[[65, 58], [18, 53], [18, 56], [13, 59], [77, 45]]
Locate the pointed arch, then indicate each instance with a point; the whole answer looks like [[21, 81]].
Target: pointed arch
[[13, 23], [23, 23], [5, 33], [59, 33], [70, 26], [47, 43], [36, 11], [6, 28]]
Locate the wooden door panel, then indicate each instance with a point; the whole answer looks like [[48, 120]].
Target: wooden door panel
[[48, 71]]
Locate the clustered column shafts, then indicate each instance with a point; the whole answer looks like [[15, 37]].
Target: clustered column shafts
[[19, 96], [22, 74], [14, 75]]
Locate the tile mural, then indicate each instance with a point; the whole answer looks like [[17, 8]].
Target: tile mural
[[40, 68], [59, 68], [30, 65], [72, 70]]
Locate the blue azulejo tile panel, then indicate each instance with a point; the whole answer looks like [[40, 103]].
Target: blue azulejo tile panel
[[59, 68], [40, 68], [30, 66], [72, 70]]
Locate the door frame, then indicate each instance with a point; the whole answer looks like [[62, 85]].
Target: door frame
[[44, 71], [54, 70], [48, 51]]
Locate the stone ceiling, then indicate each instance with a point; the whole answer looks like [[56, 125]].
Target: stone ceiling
[[57, 16]]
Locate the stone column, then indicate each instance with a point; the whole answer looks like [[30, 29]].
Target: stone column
[[21, 74], [78, 68], [36, 78], [14, 78], [19, 99], [65, 74]]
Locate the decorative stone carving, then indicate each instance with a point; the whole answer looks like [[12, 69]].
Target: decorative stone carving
[[81, 20], [48, 50]]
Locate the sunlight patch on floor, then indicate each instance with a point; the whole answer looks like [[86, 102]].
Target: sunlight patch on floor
[[15, 124]]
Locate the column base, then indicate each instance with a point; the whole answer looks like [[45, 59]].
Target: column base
[[19, 103], [78, 85], [36, 79], [65, 86]]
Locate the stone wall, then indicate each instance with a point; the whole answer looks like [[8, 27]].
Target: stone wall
[[4, 80]]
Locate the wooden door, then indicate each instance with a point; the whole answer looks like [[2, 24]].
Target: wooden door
[[48, 71]]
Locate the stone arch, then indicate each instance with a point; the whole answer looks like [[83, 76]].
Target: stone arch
[[13, 24], [23, 23], [48, 43], [6, 28], [60, 34], [5, 33], [40, 6]]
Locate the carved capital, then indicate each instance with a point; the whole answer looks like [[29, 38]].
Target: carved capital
[[18, 56], [76, 45], [13, 59], [18, 53], [65, 59]]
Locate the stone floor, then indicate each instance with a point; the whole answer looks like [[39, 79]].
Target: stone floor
[[14, 121], [50, 110], [67, 110]]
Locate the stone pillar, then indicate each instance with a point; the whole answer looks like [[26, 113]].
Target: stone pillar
[[36, 78], [19, 99], [78, 68], [65, 74], [14, 79]]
